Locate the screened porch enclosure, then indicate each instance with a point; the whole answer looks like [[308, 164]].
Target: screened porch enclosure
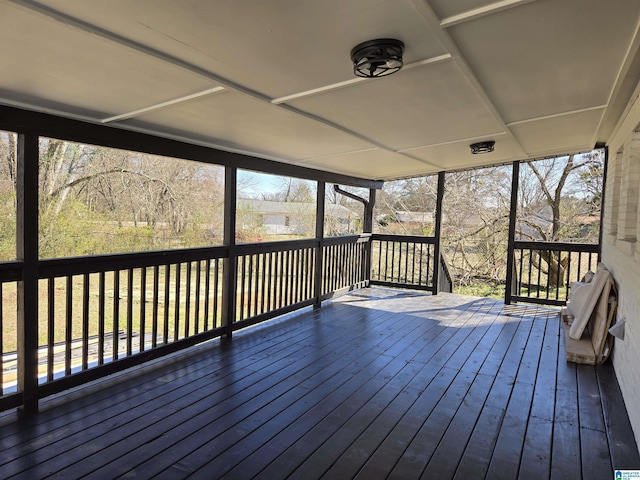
[[80, 318]]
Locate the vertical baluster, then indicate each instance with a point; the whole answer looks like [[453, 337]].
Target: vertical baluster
[[249, 285], [393, 261], [521, 274], [129, 311], [558, 279], [242, 278], [298, 271], [69, 325], [187, 302], [196, 306], [263, 282], [167, 303], [115, 330], [155, 306], [406, 262], [216, 286], [256, 296], [270, 286], [413, 264], [207, 293], [336, 267], [85, 321], [289, 285], [530, 271], [429, 266], [176, 303], [143, 309], [283, 280], [420, 282], [101, 316], [539, 273], [51, 318], [309, 267], [566, 290]]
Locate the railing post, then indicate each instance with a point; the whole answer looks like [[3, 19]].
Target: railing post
[[368, 228], [515, 182], [317, 279], [229, 268], [437, 233], [27, 251]]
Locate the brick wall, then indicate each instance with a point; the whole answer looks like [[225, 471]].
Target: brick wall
[[621, 254]]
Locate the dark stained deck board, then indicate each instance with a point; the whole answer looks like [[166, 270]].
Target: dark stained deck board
[[378, 384]]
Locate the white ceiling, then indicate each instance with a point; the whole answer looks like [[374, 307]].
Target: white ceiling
[[274, 79]]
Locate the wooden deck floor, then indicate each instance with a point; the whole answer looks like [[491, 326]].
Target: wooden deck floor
[[377, 384]]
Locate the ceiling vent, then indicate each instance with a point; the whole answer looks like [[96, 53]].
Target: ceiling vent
[[482, 147]]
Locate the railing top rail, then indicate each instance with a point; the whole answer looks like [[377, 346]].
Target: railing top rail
[[97, 263], [275, 246], [402, 238], [344, 239], [10, 271], [558, 246]]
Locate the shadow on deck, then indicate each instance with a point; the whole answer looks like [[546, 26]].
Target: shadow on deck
[[377, 384]]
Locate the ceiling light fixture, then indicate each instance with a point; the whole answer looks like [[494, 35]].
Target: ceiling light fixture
[[482, 147], [377, 58]]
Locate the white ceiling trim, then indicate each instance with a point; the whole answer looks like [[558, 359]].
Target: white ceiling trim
[[430, 18], [341, 154], [346, 83], [557, 115], [227, 84], [96, 31], [451, 142], [50, 111], [481, 12], [168, 103]]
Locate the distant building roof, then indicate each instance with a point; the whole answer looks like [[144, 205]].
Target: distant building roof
[[268, 207]]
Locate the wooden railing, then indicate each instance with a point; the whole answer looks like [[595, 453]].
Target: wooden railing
[[407, 261], [445, 276], [101, 314], [544, 271]]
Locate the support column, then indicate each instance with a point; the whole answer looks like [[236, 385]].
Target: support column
[[513, 210], [438, 230], [27, 252], [317, 279], [602, 201], [368, 228], [229, 263]]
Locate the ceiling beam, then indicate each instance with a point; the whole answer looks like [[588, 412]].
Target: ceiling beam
[[432, 21], [94, 30], [168, 103], [481, 12], [557, 115], [346, 83], [24, 121]]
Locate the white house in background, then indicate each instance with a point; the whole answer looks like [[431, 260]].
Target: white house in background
[[295, 218], [425, 218]]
